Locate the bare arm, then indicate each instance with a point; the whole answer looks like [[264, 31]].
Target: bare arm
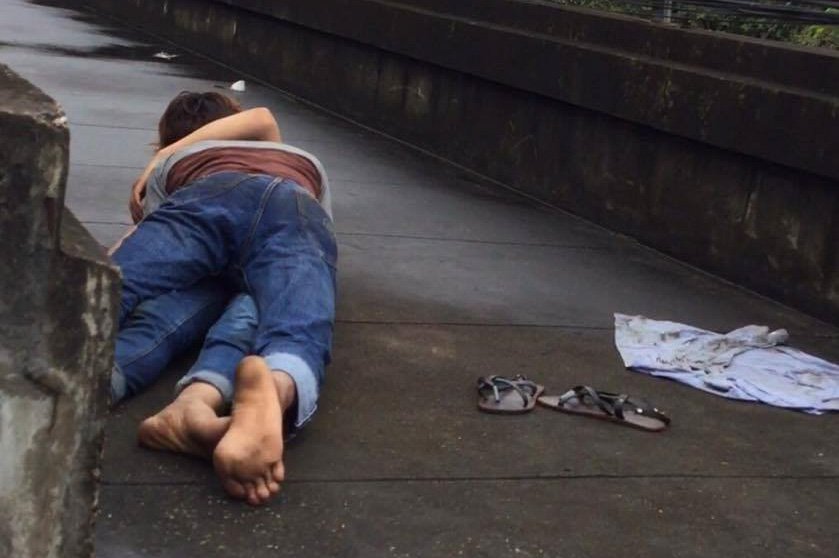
[[256, 124]]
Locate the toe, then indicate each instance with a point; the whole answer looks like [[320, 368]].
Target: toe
[[262, 489], [252, 497], [273, 486], [278, 472], [235, 489]]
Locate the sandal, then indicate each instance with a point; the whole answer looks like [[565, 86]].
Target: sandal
[[497, 394], [620, 408]]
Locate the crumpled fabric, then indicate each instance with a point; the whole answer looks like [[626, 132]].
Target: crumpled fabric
[[749, 363]]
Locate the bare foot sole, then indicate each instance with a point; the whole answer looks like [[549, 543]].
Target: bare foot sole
[[249, 458], [185, 426]]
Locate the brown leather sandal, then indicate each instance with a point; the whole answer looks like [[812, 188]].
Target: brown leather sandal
[[500, 395], [619, 408]]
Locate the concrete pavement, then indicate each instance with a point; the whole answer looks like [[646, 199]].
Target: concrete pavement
[[443, 277]]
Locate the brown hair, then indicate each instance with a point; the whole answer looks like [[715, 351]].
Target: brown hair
[[188, 111]]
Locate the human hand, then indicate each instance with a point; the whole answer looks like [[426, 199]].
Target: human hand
[[135, 203], [138, 189]]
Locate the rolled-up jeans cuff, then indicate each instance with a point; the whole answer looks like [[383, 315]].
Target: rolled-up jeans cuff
[[304, 380], [119, 387], [215, 379]]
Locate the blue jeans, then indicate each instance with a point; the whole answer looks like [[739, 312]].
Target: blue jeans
[[161, 328], [274, 236]]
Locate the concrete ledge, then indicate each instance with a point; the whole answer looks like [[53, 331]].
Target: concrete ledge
[[767, 61], [713, 149], [783, 107], [58, 303]]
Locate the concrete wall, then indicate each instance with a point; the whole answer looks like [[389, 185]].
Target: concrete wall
[[718, 150], [58, 304]]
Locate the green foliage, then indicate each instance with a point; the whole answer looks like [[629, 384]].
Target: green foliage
[[691, 17], [819, 35], [762, 28]]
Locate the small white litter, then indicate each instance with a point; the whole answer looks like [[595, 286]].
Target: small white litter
[[166, 55], [238, 85]]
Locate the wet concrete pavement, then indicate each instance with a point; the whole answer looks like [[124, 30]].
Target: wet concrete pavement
[[443, 277]]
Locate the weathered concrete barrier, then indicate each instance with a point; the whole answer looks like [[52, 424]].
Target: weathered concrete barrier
[[716, 149], [58, 303]]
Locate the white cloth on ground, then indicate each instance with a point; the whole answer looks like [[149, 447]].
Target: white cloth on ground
[[746, 364]]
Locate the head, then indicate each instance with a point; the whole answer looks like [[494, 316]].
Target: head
[[189, 111]]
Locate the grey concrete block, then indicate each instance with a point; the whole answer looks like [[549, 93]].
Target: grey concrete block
[[58, 303]]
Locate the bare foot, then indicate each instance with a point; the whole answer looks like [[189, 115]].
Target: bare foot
[[187, 425], [249, 458]]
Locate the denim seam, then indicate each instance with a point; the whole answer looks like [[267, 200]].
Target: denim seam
[[246, 245], [158, 341], [311, 236]]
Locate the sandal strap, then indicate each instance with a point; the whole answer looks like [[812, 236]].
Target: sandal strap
[[644, 408], [614, 404], [588, 396], [524, 387]]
